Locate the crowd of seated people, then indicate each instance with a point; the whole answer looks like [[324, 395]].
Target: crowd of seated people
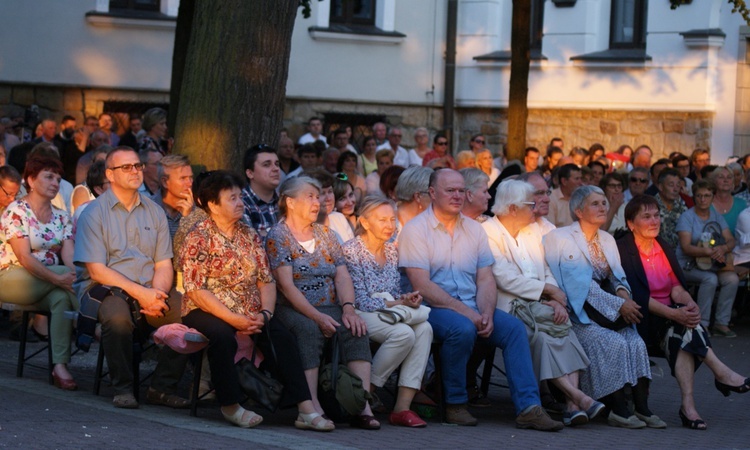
[[409, 251]]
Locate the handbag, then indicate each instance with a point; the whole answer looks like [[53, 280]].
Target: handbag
[[340, 391], [258, 384], [405, 314], [539, 317], [604, 313]]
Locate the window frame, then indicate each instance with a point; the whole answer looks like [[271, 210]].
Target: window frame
[[640, 24], [133, 5], [348, 16]]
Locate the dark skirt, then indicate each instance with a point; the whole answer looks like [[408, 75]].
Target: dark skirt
[[676, 337]]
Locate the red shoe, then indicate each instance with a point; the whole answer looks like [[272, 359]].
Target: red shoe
[[65, 385], [407, 418]]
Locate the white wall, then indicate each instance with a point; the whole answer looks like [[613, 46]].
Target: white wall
[[51, 42], [347, 70]]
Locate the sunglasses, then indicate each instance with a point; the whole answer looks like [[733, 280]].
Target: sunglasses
[[638, 180], [479, 141], [441, 143]]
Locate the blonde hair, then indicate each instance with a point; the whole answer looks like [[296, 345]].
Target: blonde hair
[[370, 204]]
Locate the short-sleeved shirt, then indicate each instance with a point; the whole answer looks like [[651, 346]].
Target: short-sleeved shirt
[[130, 242], [228, 268], [693, 224], [259, 214], [368, 277], [173, 216], [452, 262], [313, 273], [45, 239]]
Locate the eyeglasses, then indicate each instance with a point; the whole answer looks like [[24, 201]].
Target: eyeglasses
[[702, 196], [128, 168], [479, 141], [8, 194], [342, 176], [532, 205], [441, 143], [614, 185], [638, 180]]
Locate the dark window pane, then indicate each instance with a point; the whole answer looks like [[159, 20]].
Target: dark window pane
[[143, 5], [628, 24], [359, 12], [537, 23]]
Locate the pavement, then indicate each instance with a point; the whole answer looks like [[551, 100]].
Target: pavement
[[34, 414]]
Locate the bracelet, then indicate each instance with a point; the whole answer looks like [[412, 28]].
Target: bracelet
[[347, 303]]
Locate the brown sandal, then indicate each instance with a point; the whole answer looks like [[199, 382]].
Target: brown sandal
[[365, 422]]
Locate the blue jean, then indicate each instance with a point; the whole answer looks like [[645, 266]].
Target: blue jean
[[457, 334]]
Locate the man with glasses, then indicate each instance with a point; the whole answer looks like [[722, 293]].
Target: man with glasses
[[542, 194], [700, 158], [681, 163], [671, 205], [122, 241], [638, 181], [394, 143], [440, 153], [447, 258]]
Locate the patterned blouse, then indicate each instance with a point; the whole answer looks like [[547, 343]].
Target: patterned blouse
[[368, 277], [313, 273], [45, 239], [229, 268], [669, 219]]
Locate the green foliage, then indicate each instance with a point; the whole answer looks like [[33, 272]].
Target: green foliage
[[738, 6], [306, 10]]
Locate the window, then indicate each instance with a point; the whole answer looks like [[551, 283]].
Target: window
[[628, 24], [537, 24], [353, 12], [141, 5]]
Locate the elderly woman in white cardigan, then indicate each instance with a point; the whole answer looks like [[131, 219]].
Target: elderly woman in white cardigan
[[522, 275]]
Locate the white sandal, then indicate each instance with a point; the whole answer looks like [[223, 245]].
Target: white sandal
[[307, 422], [236, 418]]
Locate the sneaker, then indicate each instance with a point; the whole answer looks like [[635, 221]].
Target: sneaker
[[575, 418], [631, 422], [537, 418], [459, 415], [126, 401]]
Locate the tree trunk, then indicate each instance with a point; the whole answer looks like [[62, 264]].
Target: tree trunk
[[179, 55], [518, 110], [234, 81]]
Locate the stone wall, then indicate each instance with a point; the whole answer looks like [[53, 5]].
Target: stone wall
[[663, 131], [54, 102]]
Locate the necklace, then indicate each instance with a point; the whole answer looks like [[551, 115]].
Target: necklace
[[648, 257]]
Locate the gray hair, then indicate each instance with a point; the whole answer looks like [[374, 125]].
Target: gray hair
[[511, 192], [734, 167], [170, 162], [474, 178], [715, 172], [414, 180], [579, 196], [152, 117], [291, 188], [369, 204]]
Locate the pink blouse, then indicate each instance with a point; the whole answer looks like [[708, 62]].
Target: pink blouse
[[661, 277]]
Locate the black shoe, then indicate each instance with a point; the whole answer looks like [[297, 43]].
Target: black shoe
[[725, 388]]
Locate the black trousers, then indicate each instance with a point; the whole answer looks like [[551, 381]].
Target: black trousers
[[287, 368]]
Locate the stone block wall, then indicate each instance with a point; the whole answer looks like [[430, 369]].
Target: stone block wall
[[663, 131], [54, 102]]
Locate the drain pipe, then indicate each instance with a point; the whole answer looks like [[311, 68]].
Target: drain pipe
[[449, 88]]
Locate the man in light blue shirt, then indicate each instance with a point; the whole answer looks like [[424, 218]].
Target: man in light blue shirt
[[447, 258]]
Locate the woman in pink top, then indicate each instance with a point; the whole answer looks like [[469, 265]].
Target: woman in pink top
[[671, 318]]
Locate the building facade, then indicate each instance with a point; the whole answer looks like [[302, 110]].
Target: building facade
[[609, 71]]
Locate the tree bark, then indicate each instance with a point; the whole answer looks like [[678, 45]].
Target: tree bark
[[520, 59], [234, 81], [179, 56]]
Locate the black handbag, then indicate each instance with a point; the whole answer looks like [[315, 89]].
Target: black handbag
[[258, 384], [601, 319]]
